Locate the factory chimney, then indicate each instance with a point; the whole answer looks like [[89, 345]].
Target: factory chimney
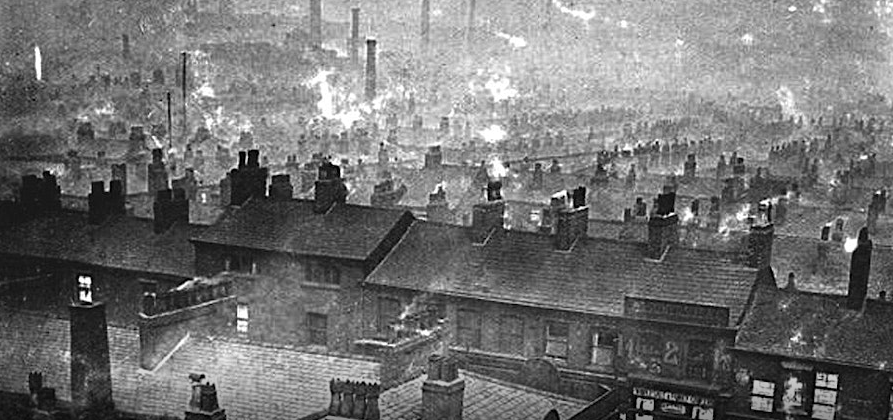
[[470, 29], [370, 68], [354, 41], [426, 24], [316, 24]]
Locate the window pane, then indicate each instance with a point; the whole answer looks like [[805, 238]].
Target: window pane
[[761, 404], [764, 388], [823, 412], [469, 328], [825, 396], [242, 325], [242, 312], [556, 330], [556, 348], [512, 335], [388, 311]]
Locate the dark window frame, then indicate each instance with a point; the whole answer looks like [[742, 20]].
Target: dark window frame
[[553, 339], [511, 331], [468, 328], [317, 334]]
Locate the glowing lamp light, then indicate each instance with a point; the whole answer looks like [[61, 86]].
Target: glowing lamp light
[[850, 245]]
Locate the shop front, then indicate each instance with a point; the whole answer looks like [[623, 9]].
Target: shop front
[[661, 401]]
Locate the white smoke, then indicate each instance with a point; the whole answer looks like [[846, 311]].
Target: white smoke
[[787, 101], [515, 41], [585, 16], [493, 134], [500, 88], [496, 168], [328, 102], [747, 39]]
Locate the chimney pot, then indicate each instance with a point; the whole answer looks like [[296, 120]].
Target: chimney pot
[[882, 295], [860, 267]]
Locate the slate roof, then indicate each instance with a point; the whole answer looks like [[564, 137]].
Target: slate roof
[[819, 326], [807, 221], [827, 272], [252, 381], [484, 399], [345, 231], [594, 277], [121, 242]]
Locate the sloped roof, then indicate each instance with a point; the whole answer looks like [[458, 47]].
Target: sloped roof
[[252, 380], [121, 242], [594, 277], [819, 326], [484, 399], [345, 231]]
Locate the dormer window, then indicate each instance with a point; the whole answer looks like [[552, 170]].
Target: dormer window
[[85, 288]]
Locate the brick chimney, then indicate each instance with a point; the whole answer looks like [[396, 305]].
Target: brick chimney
[[316, 24], [438, 208], [690, 168], [663, 224], [489, 215], [281, 188], [354, 400], [385, 195], [171, 206], [354, 41], [119, 172], [537, 183], [860, 267], [91, 375], [248, 180], [97, 201], [137, 140], [433, 158], [721, 167], [371, 74], [329, 188], [115, 199], [157, 173], [443, 391], [759, 244], [203, 404], [571, 220], [384, 157]]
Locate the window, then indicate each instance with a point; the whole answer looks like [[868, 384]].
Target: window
[[388, 312], [242, 318], [512, 334], [556, 339], [762, 395], [317, 325], [85, 288], [700, 359], [825, 397], [602, 348], [323, 273], [469, 328]]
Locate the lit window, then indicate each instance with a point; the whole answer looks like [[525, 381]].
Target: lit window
[[645, 404], [702, 413], [825, 396], [204, 198], [242, 318], [602, 348], [556, 339], [85, 289], [762, 395]]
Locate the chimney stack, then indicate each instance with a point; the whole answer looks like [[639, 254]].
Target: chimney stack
[[125, 46], [137, 140], [316, 24], [860, 266], [470, 26], [385, 195], [537, 183], [354, 40], [248, 180], [97, 200], [329, 188], [438, 208], [759, 245], [91, 375], [170, 207], [571, 219], [203, 404], [443, 390], [489, 215], [157, 173], [433, 158], [426, 24], [370, 68], [690, 167], [281, 188], [663, 225], [119, 172], [115, 199]]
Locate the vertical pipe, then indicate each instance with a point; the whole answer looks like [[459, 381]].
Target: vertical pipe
[[426, 24], [316, 24], [184, 85]]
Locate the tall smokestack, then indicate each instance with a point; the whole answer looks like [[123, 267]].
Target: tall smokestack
[[125, 46], [470, 29], [170, 122], [184, 86], [354, 41], [370, 68], [426, 24], [316, 24]]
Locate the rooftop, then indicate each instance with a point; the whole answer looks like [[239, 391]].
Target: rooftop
[[593, 277], [794, 323], [121, 242], [345, 231]]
